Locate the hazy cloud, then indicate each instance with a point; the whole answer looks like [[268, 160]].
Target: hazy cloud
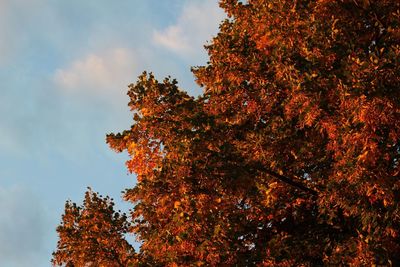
[[197, 24], [19, 20], [8, 141], [23, 224], [99, 72]]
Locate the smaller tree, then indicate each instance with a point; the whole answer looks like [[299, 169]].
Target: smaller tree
[[93, 235]]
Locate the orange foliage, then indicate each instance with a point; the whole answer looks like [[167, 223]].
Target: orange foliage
[[291, 155]]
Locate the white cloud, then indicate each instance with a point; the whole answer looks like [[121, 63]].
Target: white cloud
[[100, 73], [197, 24], [22, 227]]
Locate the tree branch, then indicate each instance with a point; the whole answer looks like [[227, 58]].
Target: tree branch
[[286, 180]]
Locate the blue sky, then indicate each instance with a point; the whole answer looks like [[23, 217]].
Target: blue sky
[[64, 71]]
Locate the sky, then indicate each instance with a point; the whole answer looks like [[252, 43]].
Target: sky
[[64, 71]]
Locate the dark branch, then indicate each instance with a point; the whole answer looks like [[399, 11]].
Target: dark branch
[[287, 180]]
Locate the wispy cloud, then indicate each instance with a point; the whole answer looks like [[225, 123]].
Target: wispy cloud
[[9, 40], [196, 25], [23, 223], [101, 73]]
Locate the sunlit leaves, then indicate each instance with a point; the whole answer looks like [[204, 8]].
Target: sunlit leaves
[[291, 155], [93, 235]]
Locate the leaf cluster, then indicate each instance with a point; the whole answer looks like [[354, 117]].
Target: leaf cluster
[[93, 235]]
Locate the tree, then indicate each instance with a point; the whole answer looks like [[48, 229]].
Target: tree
[[93, 235], [291, 155], [289, 158]]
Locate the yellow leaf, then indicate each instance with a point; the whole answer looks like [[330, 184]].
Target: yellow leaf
[[363, 156], [385, 202], [131, 147], [177, 204]]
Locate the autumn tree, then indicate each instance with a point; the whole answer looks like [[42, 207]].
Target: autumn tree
[[311, 89], [93, 235], [291, 155]]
